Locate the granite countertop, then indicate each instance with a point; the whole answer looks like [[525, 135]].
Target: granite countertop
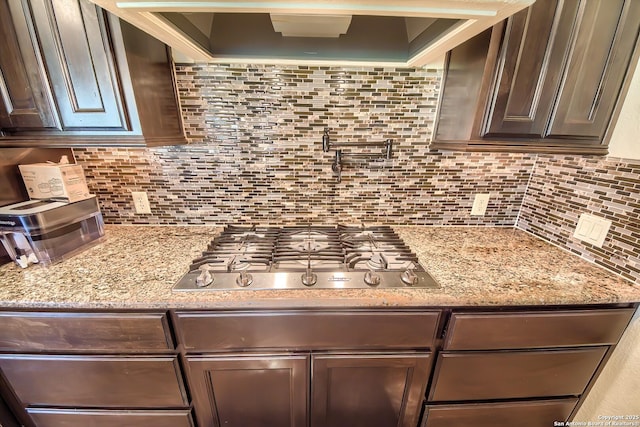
[[136, 267]]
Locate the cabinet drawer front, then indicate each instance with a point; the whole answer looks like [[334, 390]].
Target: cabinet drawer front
[[521, 414], [89, 418], [98, 381], [84, 331], [493, 331], [523, 374], [203, 331]]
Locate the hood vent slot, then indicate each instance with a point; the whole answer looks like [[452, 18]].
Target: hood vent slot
[[326, 26]]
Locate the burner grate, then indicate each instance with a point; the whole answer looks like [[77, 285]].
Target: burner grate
[[254, 248]]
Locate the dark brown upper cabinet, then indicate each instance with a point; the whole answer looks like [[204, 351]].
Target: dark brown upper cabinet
[[104, 81], [549, 79], [24, 103]]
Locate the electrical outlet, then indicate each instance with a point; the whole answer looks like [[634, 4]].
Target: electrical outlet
[[592, 229], [480, 204], [141, 202]]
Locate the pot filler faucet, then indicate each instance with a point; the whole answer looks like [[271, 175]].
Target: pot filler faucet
[[340, 156], [336, 167]]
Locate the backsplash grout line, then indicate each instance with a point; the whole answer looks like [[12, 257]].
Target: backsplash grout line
[[533, 168]]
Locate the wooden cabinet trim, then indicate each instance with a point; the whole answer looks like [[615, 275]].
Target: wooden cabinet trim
[[514, 145]]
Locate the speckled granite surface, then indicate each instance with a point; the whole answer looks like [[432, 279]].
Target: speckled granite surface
[[136, 266]]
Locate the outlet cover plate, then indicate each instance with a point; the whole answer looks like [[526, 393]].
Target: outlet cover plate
[[592, 229], [141, 202], [480, 204]]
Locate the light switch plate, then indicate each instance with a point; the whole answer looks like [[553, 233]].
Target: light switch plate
[[592, 229]]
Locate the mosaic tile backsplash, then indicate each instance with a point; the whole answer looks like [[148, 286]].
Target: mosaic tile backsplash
[[563, 187], [255, 154]]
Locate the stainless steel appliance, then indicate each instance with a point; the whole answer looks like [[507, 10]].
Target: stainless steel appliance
[[44, 232], [12, 188], [306, 257]]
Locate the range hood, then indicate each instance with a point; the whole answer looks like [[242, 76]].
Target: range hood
[[393, 33]]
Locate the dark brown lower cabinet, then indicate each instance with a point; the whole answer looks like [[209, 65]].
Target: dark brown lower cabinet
[[99, 418], [354, 390], [489, 375], [382, 390], [95, 381], [541, 413], [259, 391]]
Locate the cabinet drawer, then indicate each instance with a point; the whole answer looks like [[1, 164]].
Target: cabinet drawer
[[518, 374], [93, 418], [222, 331], [98, 381], [521, 414], [84, 331], [489, 331]]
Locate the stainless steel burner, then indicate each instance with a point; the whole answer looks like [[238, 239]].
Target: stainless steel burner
[[306, 258]]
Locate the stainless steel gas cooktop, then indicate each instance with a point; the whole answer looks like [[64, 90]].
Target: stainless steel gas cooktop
[[306, 257]]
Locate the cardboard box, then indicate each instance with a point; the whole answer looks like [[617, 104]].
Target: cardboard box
[[53, 181]]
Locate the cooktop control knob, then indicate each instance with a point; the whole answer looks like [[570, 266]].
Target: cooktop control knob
[[309, 278], [205, 278], [409, 277], [244, 279], [372, 278]]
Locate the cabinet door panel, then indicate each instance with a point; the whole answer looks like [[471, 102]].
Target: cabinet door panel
[[517, 374], [600, 51], [24, 102], [256, 391], [75, 45], [522, 414], [368, 390], [95, 381], [97, 418], [530, 65]]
